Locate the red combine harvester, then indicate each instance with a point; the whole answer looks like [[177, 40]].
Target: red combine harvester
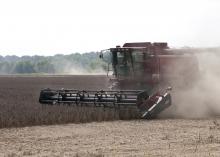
[[143, 74]]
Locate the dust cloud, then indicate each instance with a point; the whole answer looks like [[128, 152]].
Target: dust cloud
[[70, 68], [202, 98], [77, 70]]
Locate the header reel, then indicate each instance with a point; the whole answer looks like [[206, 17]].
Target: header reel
[[148, 106]]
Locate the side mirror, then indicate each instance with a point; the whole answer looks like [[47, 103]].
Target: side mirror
[[169, 88], [101, 55]]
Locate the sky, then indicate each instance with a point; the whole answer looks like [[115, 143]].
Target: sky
[[48, 27]]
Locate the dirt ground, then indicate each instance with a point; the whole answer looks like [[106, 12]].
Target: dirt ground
[[159, 137], [170, 137]]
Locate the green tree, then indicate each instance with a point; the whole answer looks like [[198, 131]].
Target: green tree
[[45, 67], [24, 67]]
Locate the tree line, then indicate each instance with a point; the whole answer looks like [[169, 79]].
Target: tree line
[[75, 63]]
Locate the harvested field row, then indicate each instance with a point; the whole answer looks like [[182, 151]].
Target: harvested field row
[[175, 137]]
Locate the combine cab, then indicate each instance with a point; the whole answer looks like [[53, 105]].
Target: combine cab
[[143, 74]]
